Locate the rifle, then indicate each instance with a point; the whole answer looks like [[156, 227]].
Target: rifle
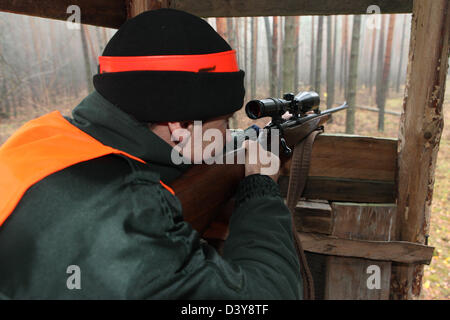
[[206, 191]]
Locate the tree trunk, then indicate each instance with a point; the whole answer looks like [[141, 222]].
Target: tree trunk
[[254, 55], [269, 53], [280, 62], [42, 88], [386, 69], [344, 56], [402, 46], [230, 32], [372, 60], [246, 54], [237, 44], [330, 68], [296, 50], [353, 75], [288, 54], [87, 63], [380, 58], [317, 80], [311, 67], [274, 89]]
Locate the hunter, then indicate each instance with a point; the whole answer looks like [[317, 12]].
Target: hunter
[[86, 208]]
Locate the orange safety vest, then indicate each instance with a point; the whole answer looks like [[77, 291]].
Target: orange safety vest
[[39, 148]]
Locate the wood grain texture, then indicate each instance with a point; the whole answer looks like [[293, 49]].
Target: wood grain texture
[[241, 8], [421, 128], [350, 168], [352, 157], [105, 13], [335, 189], [396, 251], [347, 277], [113, 13], [313, 216]]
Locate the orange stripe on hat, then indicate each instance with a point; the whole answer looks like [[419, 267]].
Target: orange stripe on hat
[[213, 62]]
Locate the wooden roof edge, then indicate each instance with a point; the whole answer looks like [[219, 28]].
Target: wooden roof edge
[[113, 13]]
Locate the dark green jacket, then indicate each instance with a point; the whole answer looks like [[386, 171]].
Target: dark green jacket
[[112, 218]]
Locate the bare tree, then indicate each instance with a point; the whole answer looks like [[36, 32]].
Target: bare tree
[[274, 89], [296, 49], [353, 75], [372, 60], [87, 63], [317, 77], [330, 66], [288, 54], [385, 78], [311, 66], [254, 55]]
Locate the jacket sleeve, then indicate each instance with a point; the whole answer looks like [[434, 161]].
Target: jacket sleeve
[[259, 260]]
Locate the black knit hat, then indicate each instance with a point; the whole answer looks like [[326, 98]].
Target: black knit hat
[[152, 96]]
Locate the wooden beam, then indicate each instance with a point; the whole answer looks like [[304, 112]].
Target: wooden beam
[[421, 128], [135, 7], [396, 251], [352, 157], [113, 13], [350, 168], [243, 8], [105, 13], [313, 216]]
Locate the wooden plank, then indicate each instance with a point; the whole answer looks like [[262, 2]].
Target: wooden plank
[[242, 8], [313, 216], [106, 13], [363, 221], [113, 13], [397, 251], [352, 157], [350, 168], [347, 277], [135, 7], [334, 189], [351, 275], [421, 128]]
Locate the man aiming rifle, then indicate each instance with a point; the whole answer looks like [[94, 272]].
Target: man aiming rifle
[[93, 191]]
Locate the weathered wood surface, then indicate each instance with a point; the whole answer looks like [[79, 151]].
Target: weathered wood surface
[[106, 13], [113, 13], [396, 251], [135, 7], [352, 157], [347, 277], [421, 128], [350, 168], [313, 216], [363, 221]]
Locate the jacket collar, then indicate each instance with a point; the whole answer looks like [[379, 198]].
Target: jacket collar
[[108, 124]]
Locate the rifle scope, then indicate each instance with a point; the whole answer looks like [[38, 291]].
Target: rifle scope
[[275, 108]]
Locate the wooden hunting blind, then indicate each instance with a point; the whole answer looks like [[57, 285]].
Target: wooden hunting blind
[[372, 196]]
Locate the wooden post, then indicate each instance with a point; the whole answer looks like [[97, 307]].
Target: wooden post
[[420, 133], [135, 7]]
